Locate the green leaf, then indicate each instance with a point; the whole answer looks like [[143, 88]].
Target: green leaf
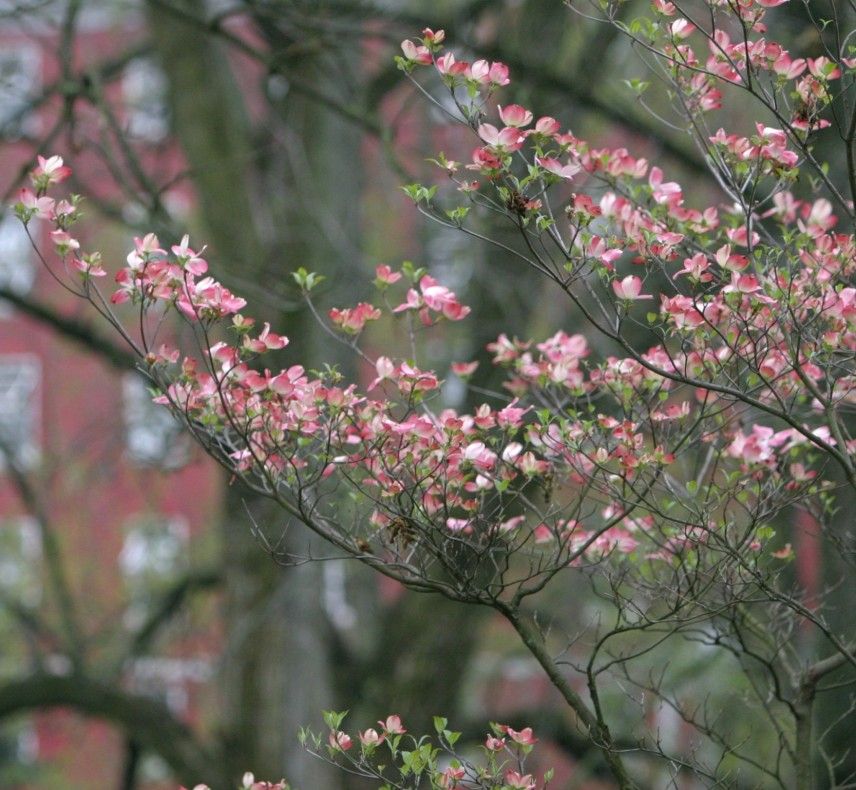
[[412, 272], [458, 215], [637, 86], [333, 719], [307, 280], [765, 533]]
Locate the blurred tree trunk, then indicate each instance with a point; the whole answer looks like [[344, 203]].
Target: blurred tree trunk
[[276, 671]]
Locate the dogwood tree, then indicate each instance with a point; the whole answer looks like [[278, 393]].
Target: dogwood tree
[[663, 470]]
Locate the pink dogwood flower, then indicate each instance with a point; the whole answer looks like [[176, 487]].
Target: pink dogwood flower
[[416, 53], [371, 737], [385, 275], [188, 259], [630, 288], [555, 167], [515, 115], [49, 171], [508, 139], [352, 320], [35, 206], [518, 781], [524, 737], [340, 741], [392, 725]]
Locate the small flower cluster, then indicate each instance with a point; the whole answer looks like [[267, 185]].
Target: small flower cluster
[[152, 275], [249, 782], [390, 755]]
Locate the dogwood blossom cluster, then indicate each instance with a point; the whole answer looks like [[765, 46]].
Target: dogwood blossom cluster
[[249, 782], [390, 755], [387, 753], [641, 453], [799, 88], [573, 468], [751, 295]]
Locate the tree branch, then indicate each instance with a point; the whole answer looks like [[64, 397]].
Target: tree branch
[[80, 332], [149, 722]]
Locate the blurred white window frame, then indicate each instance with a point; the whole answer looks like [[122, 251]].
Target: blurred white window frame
[[153, 554], [20, 409], [17, 268], [168, 679], [21, 559], [20, 81], [155, 547], [153, 437], [144, 88]]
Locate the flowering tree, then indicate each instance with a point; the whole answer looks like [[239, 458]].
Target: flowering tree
[[660, 469]]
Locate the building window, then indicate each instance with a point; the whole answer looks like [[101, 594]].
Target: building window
[[20, 583], [19, 751], [17, 270], [154, 552], [155, 549], [21, 560], [147, 114], [20, 66], [20, 375], [169, 679], [451, 256], [152, 435]]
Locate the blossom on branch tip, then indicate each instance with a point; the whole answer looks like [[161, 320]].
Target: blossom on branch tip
[[189, 259], [32, 205], [416, 53], [63, 242], [266, 341], [435, 297], [514, 115], [433, 37], [340, 741], [353, 319], [508, 139], [823, 68], [555, 167], [370, 738], [49, 171], [524, 737], [392, 725], [518, 781], [485, 73], [464, 369], [385, 275], [89, 265], [630, 288], [546, 126], [681, 28], [450, 778], [664, 7]]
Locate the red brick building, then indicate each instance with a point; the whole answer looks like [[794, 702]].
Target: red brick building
[[111, 482]]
